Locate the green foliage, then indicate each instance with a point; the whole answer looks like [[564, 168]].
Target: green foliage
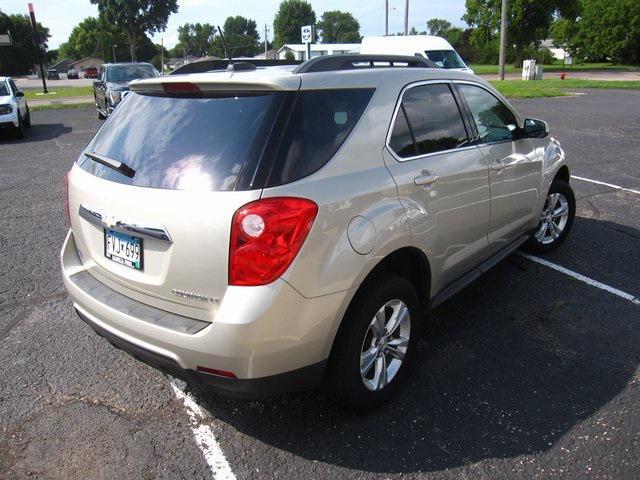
[[605, 29], [195, 39], [438, 27], [339, 27], [291, 16], [22, 55], [137, 17], [94, 36], [241, 36], [528, 23], [289, 55]]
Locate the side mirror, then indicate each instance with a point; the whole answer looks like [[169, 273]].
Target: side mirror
[[535, 128], [19, 93], [97, 83]]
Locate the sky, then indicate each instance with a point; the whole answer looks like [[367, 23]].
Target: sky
[[60, 16]]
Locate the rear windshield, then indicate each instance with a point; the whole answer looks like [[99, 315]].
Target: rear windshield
[[127, 73], [225, 143], [181, 143]]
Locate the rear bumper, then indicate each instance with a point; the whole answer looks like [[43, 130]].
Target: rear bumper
[[271, 338]]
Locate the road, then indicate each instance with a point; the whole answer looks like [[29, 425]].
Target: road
[[528, 373]]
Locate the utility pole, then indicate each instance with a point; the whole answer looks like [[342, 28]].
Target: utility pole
[[265, 41], [386, 17], [406, 17], [38, 46], [503, 38], [161, 55], [113, 48]]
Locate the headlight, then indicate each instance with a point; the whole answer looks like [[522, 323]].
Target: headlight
[[4, 109], [115, 97]]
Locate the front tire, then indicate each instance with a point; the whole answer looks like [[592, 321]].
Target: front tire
[[375, 346], [556, 219], [19, 132], [100, 115], [27, 118]]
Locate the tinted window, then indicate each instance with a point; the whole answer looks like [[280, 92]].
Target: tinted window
[[14, 87], [318, 124], [401, 138], [183, 143], [493, 119], [4, 89], [434, 118], [127, 73]]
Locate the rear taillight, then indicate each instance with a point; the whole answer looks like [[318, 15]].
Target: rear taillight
[[67, 205], [266, 236], [181, 88]]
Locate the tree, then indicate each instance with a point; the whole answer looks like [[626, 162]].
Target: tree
[[195, 39], [292, 15], [528, 21], [438, 27], [22, 55], [605, 29], [339, 27], [137, 17], [94, 36], [242, 37]]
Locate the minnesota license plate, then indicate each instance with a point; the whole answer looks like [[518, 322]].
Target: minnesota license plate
[[123, 249]]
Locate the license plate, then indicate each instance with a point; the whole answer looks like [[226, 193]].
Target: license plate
[[123, 249]]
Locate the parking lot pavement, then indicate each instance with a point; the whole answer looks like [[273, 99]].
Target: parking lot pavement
[[528, 373]]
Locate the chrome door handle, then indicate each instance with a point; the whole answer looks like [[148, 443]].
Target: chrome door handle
[[425, 179], [130, 225]]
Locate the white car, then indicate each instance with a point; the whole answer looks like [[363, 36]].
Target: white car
[[14, 111], [436, 49]]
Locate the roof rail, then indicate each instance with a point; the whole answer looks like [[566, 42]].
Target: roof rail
[[328, 63]]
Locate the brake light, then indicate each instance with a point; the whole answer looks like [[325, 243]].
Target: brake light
[[181, 88], [266, 235], [67, 205]]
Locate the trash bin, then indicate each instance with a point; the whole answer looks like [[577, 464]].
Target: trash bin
[[538, 75]]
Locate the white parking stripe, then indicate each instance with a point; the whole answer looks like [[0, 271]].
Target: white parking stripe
[[204, 436], [597, 182], [582, 278]]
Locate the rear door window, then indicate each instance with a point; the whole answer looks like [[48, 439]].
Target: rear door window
[[183, 143], [433, 119]]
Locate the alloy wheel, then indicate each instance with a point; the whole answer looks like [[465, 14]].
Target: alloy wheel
[[553, 218]]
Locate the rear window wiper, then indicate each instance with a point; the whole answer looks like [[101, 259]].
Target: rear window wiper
[[120, 167]]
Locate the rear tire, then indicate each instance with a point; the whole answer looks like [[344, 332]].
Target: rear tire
[[556, 219], [362, 343]]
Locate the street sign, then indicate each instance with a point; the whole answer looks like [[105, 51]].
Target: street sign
[[5, 39], [306, 33]]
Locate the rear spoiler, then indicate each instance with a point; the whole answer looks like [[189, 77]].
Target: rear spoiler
[[208, 65]]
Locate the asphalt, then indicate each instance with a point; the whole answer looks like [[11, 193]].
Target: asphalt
[[528, 373]]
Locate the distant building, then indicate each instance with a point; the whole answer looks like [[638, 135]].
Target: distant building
[[63, 65], [271, 55], [299, 50], [82, 65], [558, 53]]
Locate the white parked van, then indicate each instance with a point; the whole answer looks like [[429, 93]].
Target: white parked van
[[436, 49]]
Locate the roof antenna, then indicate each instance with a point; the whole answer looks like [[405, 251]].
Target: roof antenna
[[238, 65], [224, 45]]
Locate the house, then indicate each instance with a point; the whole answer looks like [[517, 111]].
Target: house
[[299, 50], [82, 65], [62, 66], [270, 55], [558, 53]]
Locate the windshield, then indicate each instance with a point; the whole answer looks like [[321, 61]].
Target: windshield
[[4, 90], [127, 73], [445, 58]]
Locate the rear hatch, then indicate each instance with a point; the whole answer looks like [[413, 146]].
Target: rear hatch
[[161, 235]]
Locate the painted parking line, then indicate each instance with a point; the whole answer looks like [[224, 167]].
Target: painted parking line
[[220, 468], [582, 278], [611, 185]]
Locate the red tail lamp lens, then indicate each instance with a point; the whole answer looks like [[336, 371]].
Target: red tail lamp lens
[[266, 235]]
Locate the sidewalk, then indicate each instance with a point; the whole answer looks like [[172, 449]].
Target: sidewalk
[[87, 99], [612, 75]]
